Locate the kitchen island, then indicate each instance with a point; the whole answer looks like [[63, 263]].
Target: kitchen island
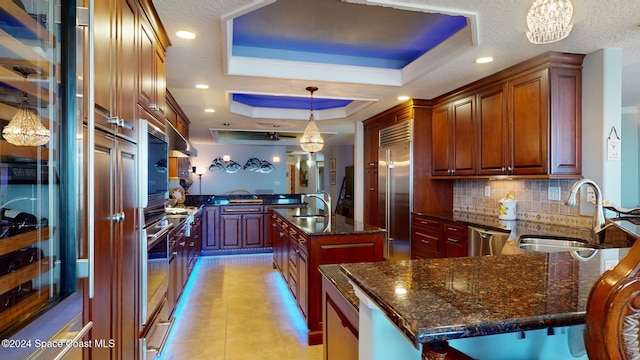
[[304, 241], [527, 306]]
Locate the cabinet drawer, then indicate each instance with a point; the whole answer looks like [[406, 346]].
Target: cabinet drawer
[[241, 209], [426, 222], [455, 229], [426, 241]]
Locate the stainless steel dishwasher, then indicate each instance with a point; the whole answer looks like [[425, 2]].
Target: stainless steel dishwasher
[[486, 242]]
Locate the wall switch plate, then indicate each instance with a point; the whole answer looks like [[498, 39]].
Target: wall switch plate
[[554, 193], [487, 191], [591, 195]]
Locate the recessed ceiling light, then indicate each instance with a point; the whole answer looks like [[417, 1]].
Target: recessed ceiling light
[[484, 60], [186, 35], [202, 86], [209, 110], [403, 98]]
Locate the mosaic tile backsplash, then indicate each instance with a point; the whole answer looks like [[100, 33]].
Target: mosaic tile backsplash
[[531, 195]]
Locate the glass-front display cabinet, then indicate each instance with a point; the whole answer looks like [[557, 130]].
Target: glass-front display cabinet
[[38, 241]]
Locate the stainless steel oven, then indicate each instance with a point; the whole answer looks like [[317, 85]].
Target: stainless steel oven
[[155, 280], [155, 275]]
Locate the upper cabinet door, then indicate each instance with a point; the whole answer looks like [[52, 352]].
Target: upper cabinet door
[[463, 126], [528, 120], [492, 127], [146, 91], [441, 140], [566, 121]]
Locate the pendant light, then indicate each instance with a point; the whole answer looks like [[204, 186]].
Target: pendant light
[[25, 127], [311, 141]]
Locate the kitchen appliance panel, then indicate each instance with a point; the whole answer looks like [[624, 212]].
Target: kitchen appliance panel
[[486, 242], [395, 189]]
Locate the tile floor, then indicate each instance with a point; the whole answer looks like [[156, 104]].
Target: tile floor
[[237, 307]]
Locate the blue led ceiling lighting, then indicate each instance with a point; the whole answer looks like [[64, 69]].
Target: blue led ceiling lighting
[[393, 46], [288, 102]]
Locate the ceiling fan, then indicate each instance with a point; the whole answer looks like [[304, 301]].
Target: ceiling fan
[[275, 136]]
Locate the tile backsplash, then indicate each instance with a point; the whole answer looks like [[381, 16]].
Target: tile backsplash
[[531, 196]]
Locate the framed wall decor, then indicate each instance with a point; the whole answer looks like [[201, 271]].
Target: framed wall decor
[[332, 177], [304, 173], [332, 164]]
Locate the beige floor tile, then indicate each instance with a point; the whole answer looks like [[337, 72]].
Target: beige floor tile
[[237, 308]]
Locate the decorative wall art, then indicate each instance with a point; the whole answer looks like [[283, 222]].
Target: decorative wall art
[[304, 173], [332, 177], [253, 165], [332, 164]]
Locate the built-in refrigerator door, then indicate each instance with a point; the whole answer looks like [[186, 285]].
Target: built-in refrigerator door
[[40, 290], [394, 198], [399, 199]]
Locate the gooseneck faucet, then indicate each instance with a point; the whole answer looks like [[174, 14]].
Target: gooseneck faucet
[[326, 202], [598, 222]]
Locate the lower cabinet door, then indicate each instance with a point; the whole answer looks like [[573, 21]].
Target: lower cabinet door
[[341, 337]]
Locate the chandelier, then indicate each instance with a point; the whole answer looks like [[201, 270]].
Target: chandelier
[[311, 141], [548, 21], [25, 127]]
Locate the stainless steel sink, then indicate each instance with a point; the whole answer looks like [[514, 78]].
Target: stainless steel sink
[[548, 244]]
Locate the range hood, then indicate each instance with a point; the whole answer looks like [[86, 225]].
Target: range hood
[[178, 145]]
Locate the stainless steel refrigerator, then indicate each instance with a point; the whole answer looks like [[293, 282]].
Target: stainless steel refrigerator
[[395, 188]]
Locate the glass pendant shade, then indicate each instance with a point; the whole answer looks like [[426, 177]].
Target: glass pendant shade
[[311, 141], [25, 128], [548, 21]]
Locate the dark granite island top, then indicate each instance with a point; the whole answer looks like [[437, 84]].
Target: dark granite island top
[[325, 226], [451, 298]]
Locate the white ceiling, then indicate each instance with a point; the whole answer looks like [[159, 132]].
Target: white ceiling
[[499, 31]]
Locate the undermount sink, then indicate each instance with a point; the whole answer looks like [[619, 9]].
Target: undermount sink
[[309, 216], [548, 244]]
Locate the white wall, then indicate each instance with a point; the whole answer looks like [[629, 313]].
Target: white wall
[[601, 109], [223, 183], [630, 134]]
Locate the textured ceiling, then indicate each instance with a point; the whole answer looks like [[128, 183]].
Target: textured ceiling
[[499, 31]]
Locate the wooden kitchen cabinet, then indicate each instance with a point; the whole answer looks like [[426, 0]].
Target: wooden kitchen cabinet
[[433, 237], [116, 270], [176, 116], [453, 137], [211, 228], [455, 239], [297, 255], [371, 215], [152, 46], [529, 122], [179, 167], [241, 227], [493, 129], [115, 67]]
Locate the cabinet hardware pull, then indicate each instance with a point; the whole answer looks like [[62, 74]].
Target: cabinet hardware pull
[[509, 168], [192, 244], [452, 240], [181, 243], [120, 122], [371, 189], [424, 242], [452, 229], [174, 253], [154, 107]]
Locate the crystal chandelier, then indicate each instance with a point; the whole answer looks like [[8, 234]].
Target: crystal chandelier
[[548, 21], [311, 141], [25, 127]]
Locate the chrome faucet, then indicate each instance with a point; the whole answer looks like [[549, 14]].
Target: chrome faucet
[[598, 222], [326, 202]]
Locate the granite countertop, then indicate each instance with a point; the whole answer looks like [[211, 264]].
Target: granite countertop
[[314, 226], [439, 299], [340, 281], [613, 237], [243, 199]]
